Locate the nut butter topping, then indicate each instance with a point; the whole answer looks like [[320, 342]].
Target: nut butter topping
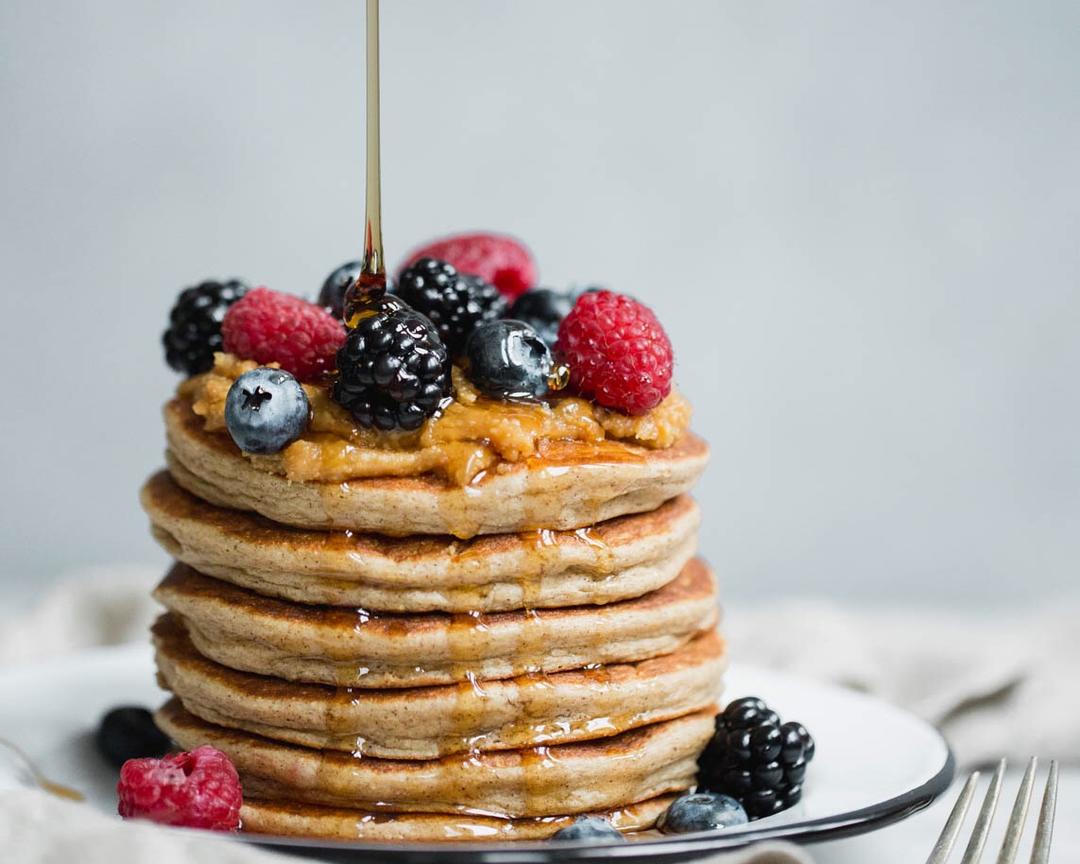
[[472, 436]]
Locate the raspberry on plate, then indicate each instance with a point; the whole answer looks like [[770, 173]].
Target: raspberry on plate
[[269, 327], [497, 259], [200, 789], [617, 352]]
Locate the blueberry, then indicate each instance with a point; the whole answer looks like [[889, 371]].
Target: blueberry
[[590, 828], [128, 732], [543, 309], [509, 360], [702, 811], [332, 294], [265, 410]]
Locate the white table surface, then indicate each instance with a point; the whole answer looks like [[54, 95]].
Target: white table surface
[[909, 842]]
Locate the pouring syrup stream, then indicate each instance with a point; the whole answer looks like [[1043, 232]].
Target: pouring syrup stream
[[373, 264], [370, 285]]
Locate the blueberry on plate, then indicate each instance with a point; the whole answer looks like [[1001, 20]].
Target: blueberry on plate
[[128, 732], [266, 409], [591, 829], [702, 811], [332, 294], [509, 360], [543, 309]]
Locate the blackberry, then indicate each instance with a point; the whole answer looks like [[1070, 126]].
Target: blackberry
[[455, 302], [194, 332], [393, 370], [332, 293], [755, 758]]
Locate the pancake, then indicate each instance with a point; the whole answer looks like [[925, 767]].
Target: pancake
[[547, 781], [429, 722], [622, 558], [327, 823], [587, 484], [350, 647]]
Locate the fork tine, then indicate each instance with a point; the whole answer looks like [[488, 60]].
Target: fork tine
[[1044, 831], [974, 849], [940, 853], [1018, 815]]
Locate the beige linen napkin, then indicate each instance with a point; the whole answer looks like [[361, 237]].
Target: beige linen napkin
[[997, 684], [36, 828]]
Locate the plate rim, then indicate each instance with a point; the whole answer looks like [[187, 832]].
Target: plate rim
[[684, 847]]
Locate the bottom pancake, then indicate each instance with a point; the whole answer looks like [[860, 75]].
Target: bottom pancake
[[328, 823], [546, 781], [429, 722]]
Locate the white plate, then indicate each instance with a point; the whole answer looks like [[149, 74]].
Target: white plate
[[874, 763]]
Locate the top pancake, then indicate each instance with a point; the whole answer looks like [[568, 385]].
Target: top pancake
[[589, 484], [622, 558]]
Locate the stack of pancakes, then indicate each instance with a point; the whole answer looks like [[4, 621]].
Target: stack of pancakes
[[405, 659]]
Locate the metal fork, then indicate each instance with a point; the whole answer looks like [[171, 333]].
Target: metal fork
[[1040, 852]]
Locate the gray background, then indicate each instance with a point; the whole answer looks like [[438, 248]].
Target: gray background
[[858, 220]]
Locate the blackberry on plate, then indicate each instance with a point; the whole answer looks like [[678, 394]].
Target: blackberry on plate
[[543, 309], [332, 293], [509, 360], [393, 370], [129, 732], [592, 829], [455, 302], [194, 332], [756, 758]]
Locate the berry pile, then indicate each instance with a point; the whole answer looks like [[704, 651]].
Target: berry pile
[[454, 302], [200, 789], [451, 303], [194, 332], [755, 758]]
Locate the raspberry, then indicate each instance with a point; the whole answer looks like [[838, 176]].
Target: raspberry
[[269, 327], [497, 259], [617, 352], [200, 789]]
